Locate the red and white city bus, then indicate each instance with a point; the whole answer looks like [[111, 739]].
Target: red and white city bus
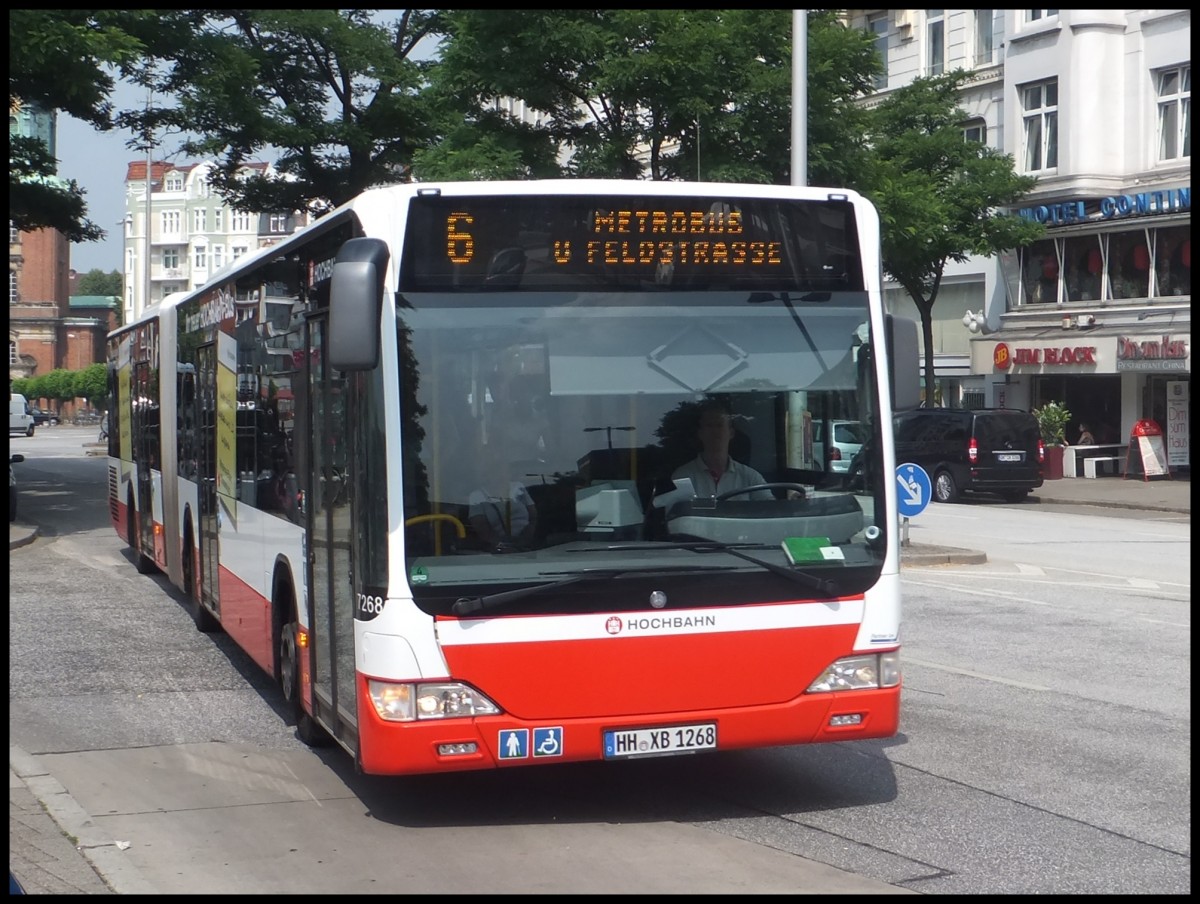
[[312, 445]]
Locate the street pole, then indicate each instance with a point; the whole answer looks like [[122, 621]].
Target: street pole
[[799, 97], [149, 183]]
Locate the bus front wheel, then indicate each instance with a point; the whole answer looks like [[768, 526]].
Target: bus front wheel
[[307, 729]]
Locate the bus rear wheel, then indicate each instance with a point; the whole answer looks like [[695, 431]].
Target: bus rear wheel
[[143, 563], [307, 729], [204, 620]]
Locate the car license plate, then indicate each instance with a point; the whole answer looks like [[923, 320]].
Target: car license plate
[[623, 743], [1008, 456]]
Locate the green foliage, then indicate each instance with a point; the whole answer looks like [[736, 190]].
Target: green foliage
[[706, 93], [1053, 418], [90, 383], [62, 60], [97, 282], [940, 198]]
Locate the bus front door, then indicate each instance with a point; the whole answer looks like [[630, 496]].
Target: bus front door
[[330, 537], [206, 476], [145, 439]]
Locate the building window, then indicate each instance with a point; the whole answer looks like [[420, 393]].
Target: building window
[[984, 52], [240, 221], [1033, 15], [1173, 260], [199, 220], [170, 258], [1175, 113], [170, 221], [277, 223], [935, 35], [1039, 104], [174, 182], [12, 352], [1039, 273], [200, 257], [218, 219], [14, 234], [130, 260], [1084, 259], [1129, 264], [878, 26], [975, 130], [237, 251], [13, 295], [218, 256]]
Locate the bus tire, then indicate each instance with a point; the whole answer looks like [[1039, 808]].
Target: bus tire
[[204, 620], [288, 672], [143, 563]]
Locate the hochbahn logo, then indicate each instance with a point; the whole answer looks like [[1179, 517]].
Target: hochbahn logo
[[614, 625]]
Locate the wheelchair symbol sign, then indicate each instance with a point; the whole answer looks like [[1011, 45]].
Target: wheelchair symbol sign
[[548, 741]]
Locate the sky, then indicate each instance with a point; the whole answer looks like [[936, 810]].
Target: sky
[[98, 161]]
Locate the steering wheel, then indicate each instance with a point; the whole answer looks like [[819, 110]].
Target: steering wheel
[[798, 487], [459, 527]]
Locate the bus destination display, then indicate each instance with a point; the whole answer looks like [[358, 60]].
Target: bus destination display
[[585, 243]]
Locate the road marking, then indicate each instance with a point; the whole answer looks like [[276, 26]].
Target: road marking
[[1030, 569], [996, 679]]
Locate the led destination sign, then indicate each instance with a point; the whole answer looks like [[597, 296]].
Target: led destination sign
[[595, 244]]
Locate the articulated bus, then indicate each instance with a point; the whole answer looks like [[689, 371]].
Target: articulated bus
[[420, 461]]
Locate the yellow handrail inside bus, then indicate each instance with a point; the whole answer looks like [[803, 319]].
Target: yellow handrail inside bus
[[459, 527]]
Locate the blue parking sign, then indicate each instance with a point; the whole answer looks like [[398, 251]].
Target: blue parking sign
[[913, 489]]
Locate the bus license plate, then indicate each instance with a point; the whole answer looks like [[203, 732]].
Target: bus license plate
[[632, 742]]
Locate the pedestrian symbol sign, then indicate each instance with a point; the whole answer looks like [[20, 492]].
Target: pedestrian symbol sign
[[913, 489], [514, 744]]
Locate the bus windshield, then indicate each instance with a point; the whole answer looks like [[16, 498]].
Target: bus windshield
[[556, 428]]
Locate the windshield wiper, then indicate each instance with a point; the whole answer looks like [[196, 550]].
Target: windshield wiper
[[811, 581], [469, 605]]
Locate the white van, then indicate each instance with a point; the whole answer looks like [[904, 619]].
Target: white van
[[19, 418]]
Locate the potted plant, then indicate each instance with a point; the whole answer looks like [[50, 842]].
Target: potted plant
[[1052, 419]]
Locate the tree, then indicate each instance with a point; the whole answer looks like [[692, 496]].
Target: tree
[[668, 94], [91, 383], [61, 60], [97, 282], [349, 104], [334, 93], [940, 197]]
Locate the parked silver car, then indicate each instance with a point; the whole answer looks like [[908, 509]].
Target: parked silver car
[[845, 439]]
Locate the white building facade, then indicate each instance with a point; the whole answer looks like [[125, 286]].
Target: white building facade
[[193, 233], [1097, 315]]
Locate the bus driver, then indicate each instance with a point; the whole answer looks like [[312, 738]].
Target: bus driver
[[714, 471]]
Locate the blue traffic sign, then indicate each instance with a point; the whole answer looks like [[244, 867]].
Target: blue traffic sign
[[913, 490]]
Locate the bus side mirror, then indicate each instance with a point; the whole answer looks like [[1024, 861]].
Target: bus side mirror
[[355, 304], [904, 360]]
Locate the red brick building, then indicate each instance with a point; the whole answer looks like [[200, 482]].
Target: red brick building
[[47, 327]]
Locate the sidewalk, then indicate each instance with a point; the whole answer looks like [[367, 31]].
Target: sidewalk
[[53, 846]]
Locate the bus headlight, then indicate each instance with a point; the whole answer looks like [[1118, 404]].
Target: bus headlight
[[408, 702], [854, 673]]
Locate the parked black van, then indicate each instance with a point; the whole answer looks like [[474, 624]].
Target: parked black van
[[988, 450]]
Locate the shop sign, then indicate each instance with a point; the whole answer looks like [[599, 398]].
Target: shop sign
[[1147, 203], [1052, 355], [1178, 429], [1163, 354]]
